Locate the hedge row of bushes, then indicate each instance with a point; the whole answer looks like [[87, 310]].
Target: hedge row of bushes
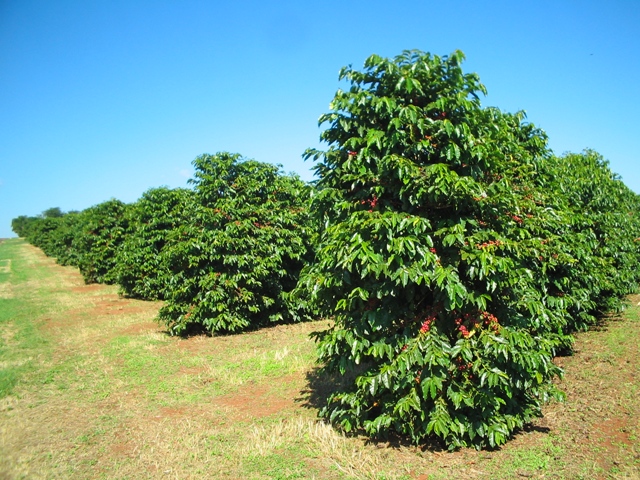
[[224, 255], [455, 253]]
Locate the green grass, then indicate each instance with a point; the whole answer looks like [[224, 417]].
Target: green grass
[[92, 387], [21, 343]]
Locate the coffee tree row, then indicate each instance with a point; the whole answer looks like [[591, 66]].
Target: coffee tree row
[[454, 252], [224, 255]]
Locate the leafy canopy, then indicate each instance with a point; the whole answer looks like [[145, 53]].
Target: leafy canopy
[[441, 259], [236, 259], [142, 267]]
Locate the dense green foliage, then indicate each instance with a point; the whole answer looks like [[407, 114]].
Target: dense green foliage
[[60, 241], [142, 268], [52, 231], [224, 256], [238, 257], [99, 233], [598, 225], [443, 259], [20, 225], [88, 240], [23, 224]]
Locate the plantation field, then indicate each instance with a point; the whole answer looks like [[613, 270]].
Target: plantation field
[[92, 387]]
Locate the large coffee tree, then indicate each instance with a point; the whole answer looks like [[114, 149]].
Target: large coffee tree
[[433, 258]]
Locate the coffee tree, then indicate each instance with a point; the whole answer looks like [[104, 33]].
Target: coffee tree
[[99, 233], [433, 257], [600, 229], [142, 270], [21, 225], [237, 258], [60, 242], [40, 232], [52, 231]]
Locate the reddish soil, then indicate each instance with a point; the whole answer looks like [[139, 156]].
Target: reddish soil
[[254, 401], [613, 433], [141, 328], [92, 287]]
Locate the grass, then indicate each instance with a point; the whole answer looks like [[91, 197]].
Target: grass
[[21, 343], [91, 387]]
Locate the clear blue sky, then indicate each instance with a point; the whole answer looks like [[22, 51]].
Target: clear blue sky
[[108, 98]]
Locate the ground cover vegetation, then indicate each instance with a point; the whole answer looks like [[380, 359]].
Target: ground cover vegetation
[[92, 387], [454, 252]]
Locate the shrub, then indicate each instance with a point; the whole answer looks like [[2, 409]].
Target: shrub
[[21, 225], [60, 241], [434, 256], [52, 232], [142, 270], [99, 234], [237, 259], [41, 231], [600, 229]]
